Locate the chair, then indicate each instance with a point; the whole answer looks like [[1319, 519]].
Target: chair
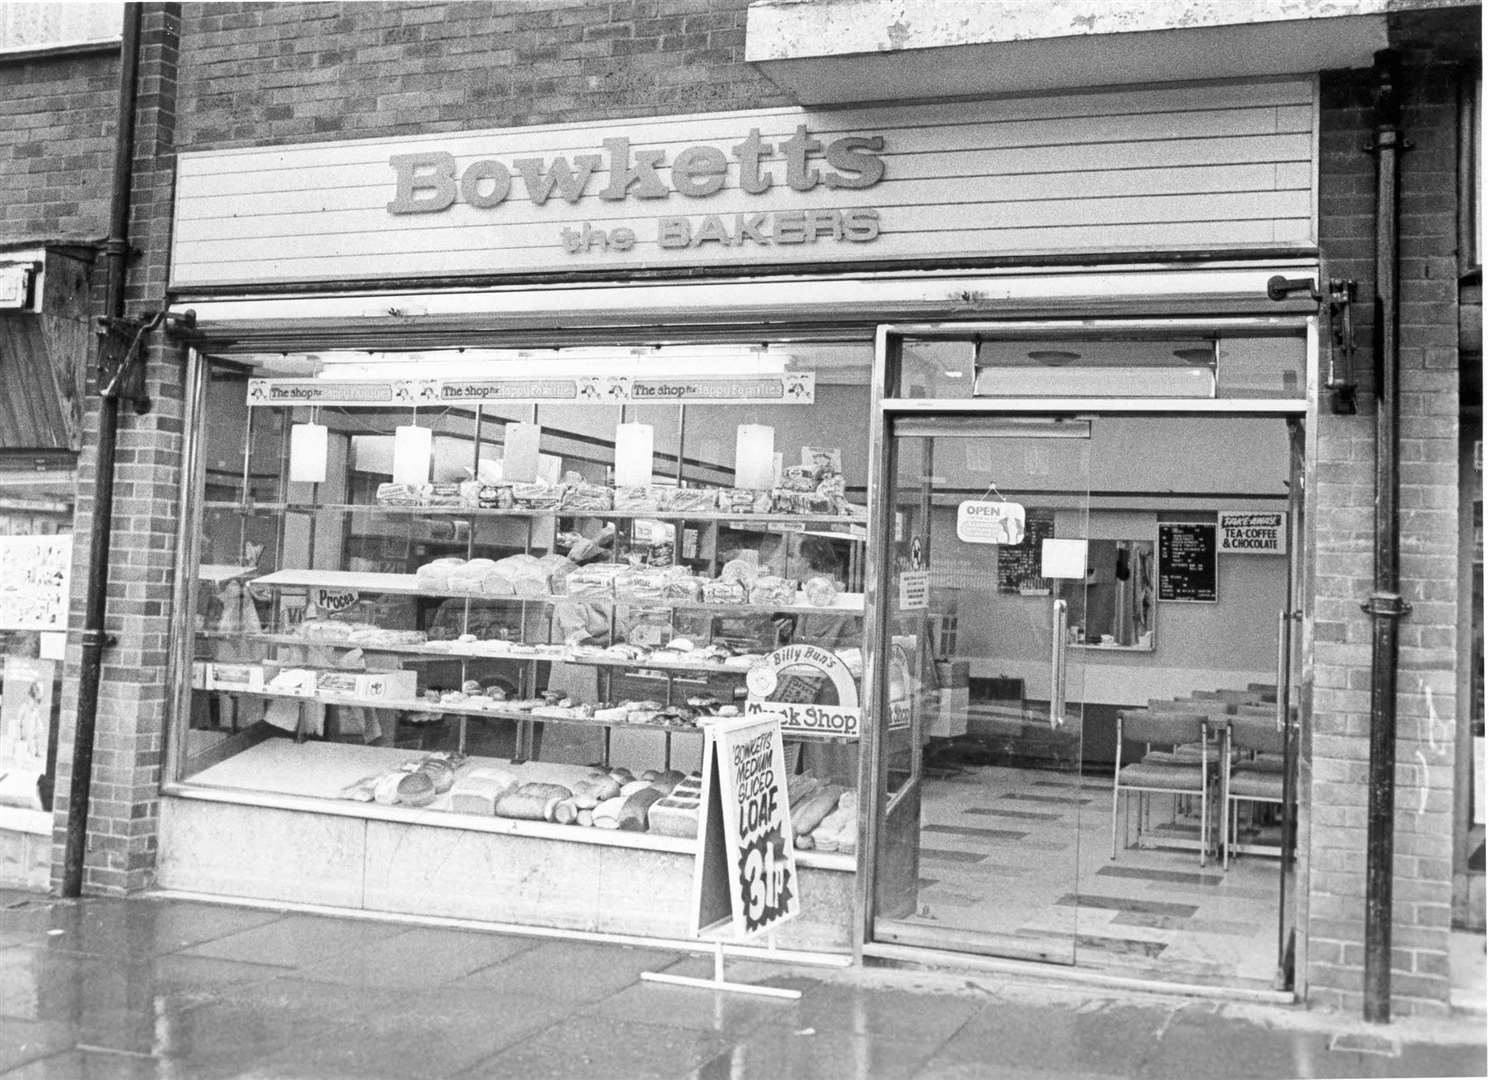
[[1159, 772], [1254, 773]]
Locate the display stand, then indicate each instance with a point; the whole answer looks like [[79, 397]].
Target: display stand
[[718, 982], [744, 879]]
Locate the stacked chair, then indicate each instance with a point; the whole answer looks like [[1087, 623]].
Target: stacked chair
[[1218, 748]]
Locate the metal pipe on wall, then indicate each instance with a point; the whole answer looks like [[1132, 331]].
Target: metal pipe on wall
[[1385, 605], [116, 252]]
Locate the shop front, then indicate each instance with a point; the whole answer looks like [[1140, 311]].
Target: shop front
[[515, 458]]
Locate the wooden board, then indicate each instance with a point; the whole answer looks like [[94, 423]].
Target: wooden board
[[1192, 167]]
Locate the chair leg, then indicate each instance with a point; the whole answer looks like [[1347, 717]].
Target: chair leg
[[1116, 798], [1204, 822]]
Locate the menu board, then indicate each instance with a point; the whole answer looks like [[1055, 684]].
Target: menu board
[[1018, 564], [1186, 561]]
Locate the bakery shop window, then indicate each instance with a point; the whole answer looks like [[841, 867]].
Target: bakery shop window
[[516, 583]]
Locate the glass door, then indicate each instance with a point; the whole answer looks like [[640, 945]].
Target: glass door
[[988, 594]]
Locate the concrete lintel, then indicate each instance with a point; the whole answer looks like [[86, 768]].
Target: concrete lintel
[[867, 50]]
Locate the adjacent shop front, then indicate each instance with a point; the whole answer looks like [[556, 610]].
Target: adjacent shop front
[[944, 432]]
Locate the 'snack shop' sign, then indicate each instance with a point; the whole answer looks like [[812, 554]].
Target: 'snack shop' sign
[[433, 181]]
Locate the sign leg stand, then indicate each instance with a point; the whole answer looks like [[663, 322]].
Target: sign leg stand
[[718, 982]]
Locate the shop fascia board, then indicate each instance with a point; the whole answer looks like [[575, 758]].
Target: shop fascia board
[[873, 50], [454, 316]]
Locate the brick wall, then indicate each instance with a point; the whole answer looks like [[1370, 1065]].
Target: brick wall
[[57, 119], [132, 705], [264, 73], [1336, 776]]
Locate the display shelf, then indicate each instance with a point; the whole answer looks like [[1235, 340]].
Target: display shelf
[[408, 585], [419, 706], [285, 775], [740, 520], [455, 651]]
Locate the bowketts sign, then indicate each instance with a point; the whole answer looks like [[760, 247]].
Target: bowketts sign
[[1170, 168]]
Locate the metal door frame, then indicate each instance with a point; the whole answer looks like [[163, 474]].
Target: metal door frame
[[884, 409]]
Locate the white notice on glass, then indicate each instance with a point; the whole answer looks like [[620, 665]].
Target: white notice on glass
[[915, 590]]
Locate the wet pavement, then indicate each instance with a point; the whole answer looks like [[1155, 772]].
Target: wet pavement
[[101, 988]]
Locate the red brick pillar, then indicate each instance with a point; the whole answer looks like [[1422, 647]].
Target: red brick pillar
[[1334, 782], [132, 705]]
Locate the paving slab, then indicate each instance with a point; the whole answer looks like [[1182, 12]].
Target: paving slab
[[154, 987]]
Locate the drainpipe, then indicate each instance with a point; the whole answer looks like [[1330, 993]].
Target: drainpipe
[[1385, 605], [116, 252]]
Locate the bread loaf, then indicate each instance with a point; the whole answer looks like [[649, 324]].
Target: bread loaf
[[632, 817], [677, 813], [477, 791], [805, 818], [526, 807]]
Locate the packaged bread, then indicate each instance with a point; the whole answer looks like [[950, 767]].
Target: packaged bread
[[744, 501], [596, 579], [581, 496], [556, 567], [537, 496], [436, 575], [361, 790], [682, 588], [385, 791], [687, 500], [444, 495], [526, 573], [467, 576], [723, 592], [400, 494], [638, 498], [769, 589]]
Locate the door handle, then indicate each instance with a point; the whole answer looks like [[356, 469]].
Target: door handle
[[1058, 616], [1284, 654]]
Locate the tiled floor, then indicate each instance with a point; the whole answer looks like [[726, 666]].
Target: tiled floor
[[1019, 861]]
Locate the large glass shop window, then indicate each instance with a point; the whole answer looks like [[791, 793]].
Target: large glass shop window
[[516, 584]]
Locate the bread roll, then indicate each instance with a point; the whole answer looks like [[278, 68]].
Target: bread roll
[[607, 814]]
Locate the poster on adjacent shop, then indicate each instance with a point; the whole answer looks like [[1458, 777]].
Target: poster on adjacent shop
[[25, 714], [1187, 562], [744, 880], [1253, 533], [34, 576]]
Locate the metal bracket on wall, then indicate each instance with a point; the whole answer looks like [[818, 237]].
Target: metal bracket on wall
[[121, 368], [1384, 603], [1341, 346]]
